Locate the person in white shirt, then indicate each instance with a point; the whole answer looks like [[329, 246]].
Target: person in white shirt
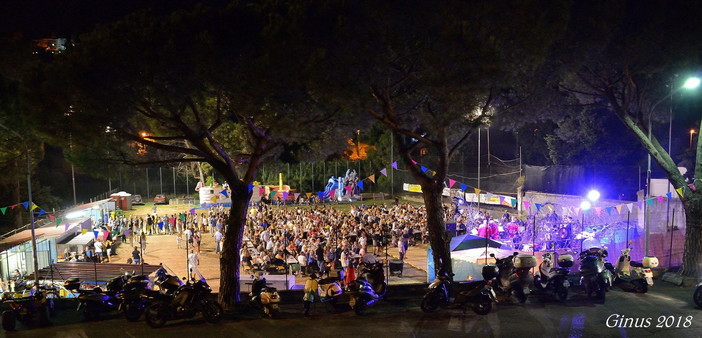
[[193, 262], [98, 251]]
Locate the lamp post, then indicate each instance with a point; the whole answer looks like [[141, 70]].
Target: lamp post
[[692, 132], [29, 205]]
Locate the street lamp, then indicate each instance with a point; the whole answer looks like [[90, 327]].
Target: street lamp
[[29, 205], [692, 131]]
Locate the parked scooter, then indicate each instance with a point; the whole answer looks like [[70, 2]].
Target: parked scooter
[[595, 278], [697, 296], [515, 277], [368, 288], [443, 292], [25, 309], [329, 290], [554, 278], [631, 275], [264, 297], [189, 299]]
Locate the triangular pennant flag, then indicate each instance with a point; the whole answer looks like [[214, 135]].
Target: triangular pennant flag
[[213, 199], [414, 162], [488, 195], [225, 193], [679, 190], [41, 212], [57, 223], [3, 210], [349, 189], [660, 199], [308, 194], [564, 211], [285, 195], [619, 208], [332, 193], [669, 195], [630, 206], [514, 202], [650, 202], [394, 165], [272, 193], [463, 187], [320, 195], [598, 211], [609, 210], [424, 169], [251, 186], [66, 227], [640, 204], [502, 199], [51, 217], [261, 191], [384, 171], [526, 205], [538, 207], [34, 206], [360, 185], [25, 205], [372, 178], [586, 212], [451, 182], [13, 206], [192, 211], [95, 233], [477, 191], [297, 194]]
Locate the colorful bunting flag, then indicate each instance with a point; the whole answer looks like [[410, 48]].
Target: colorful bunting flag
[[41, 212], [514, 202], [34, 206], [423, 168], [66, 227], [526, 205], [502, 199], [669, 195], [679, 190], [477, 191], [25, 205], [372, 178], [285, 195], [225, 193], [51, 217], [538, 207], [308, 194], [630, 206], [451, 182], [650, 202], [414, 162], [660, 199], [598, 211], [3, 210], [360, 185], [609, 210], [619, 208], [640, 204], [394, 165], [95, 233], [261, 191], [463, 187], [349, 189], [13, 206], [384, 171], [272, 194]]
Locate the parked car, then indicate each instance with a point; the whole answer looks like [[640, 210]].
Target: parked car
[[136, 200], [160, 199]]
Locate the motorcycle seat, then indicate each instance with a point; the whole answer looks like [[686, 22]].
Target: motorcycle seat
[[636, 264]]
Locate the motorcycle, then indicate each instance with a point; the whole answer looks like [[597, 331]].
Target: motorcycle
[[25, 309], [92, 303], [631, 275], [595, 278], [368, 288], [133, 299], [443, 292], [189, 299], [264, 297], [554, 278], [515, 276]]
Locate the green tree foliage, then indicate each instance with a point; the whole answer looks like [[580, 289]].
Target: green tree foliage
[[229, 88], [622, 57]]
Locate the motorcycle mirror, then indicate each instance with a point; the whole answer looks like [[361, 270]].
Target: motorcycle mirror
[[492, 255]]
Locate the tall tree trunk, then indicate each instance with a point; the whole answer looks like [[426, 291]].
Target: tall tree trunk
[[692, 258], [438, 237], [230, 261]]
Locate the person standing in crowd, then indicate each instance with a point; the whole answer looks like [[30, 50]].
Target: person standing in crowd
[[98, 251], [193, 262], [218, 240], [136, 256]]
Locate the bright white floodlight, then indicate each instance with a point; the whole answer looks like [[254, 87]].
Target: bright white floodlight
[[585, 205], [593, 195], [692, 83]]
